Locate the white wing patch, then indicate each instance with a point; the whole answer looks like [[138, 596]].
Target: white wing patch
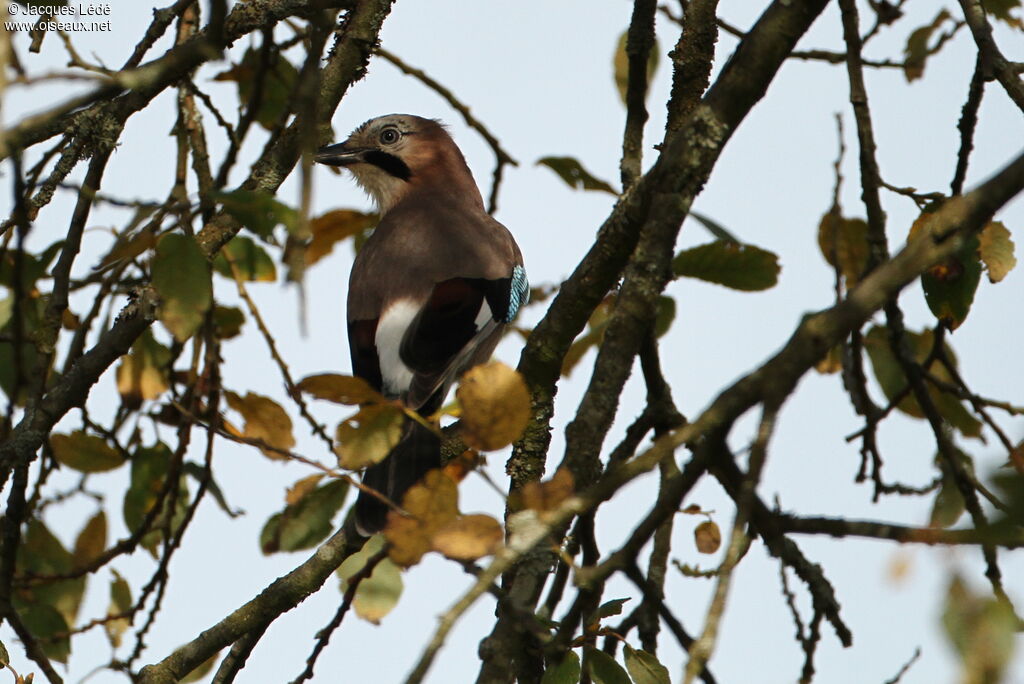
[[391, 328]]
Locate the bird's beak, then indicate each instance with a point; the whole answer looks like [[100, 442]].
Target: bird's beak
[[339, 154]]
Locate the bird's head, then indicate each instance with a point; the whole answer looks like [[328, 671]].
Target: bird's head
[[391, 155]]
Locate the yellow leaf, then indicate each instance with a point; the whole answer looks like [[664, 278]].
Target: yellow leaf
[[708, 537], [431, 504], [300, 489], [469, 537], [142, 374], [86, 453], [264, 420], [368, 436], [495, 406], [333, 227], [996, 251], [341, 389]]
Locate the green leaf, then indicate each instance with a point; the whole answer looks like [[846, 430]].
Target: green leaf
[[369, 436], [717, 230], [92, 540], [120, 602], [1001, 9], [85, 453], [573, 173], [5, 658], [41, 553], [32, 268], [644, 668], [996, 251], [150, 466], [378, 594], [948, 505], [201, 670], [844, 244], [982, 630], [566, 672], [603, 668], [227, 322], [893, 382], [621, 65], [199, 474], [949, 287], [665, 315], [258, 211], [279, 78], [27, 355], [43, 622], [609, 608], [181, 276], [251, 261], [734, 265], [305, 523], [916, 51]]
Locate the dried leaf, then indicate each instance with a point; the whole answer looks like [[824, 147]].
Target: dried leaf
[[142, 374], [341, 389], [996, 251], [916, 51], [264, 420], [707, 537], [495, 406], [333, 227], [610, 608], [547, 495], [469, 537], [431, 504], [300, 489]]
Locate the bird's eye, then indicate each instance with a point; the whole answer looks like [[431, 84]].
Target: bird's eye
[[389, 136]]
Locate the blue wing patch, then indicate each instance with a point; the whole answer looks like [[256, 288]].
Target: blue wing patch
[[519, 293]]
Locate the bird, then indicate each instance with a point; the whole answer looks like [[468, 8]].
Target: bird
[[431, 291]]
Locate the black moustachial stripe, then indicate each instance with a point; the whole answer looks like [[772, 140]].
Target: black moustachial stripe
[[389, 163]]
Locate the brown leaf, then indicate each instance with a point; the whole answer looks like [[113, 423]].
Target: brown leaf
[[707, 536], [264, 420], [341, 389], [462, 465], [495, 406], [469, 537], [545, 496], [431, 504], [333, 227]]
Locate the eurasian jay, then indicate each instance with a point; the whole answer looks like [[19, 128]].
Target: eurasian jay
[[432, 289]]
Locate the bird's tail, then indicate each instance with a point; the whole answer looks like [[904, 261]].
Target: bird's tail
[[418, 451]]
